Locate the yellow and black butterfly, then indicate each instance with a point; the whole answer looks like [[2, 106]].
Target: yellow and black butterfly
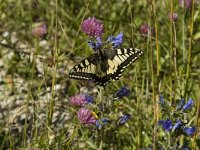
[[105, 65]]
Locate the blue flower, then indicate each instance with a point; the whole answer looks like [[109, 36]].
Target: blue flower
[[188, 105], [88, 99], [167, 125], [110, 38], [99, 42], [162, 102], [189, 130], [96, 45], [180, 105], [118, 40], [101, 122], [123, 119], [178, 124], [122, 92], [92, 44]]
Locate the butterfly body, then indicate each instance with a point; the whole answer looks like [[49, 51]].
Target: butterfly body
[[105, 65]]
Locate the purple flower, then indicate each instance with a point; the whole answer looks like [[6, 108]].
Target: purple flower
[[189, 130], [146, 30], [173, 16], [185, 3], [167, 125], [118, 40], [122, 92], [80, 99], [188, 105], [123, 119], [86, 117], [39, 30], [92, 27], [101, 122]]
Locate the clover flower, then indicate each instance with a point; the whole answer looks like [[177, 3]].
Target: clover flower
[[122, 92], [146, 30], [86, 117], [92, 27], [39, 30], [185, 3], [123, 119], [166, 124], [80, 99], [173, 16]]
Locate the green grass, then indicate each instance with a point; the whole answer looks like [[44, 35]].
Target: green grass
[[35, 114]]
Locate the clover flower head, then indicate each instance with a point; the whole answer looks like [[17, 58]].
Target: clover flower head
[[188, 105], [173, 16], [167, 125], [145, 29], [122, 92], [118, 40], [86, 117], [185, 3], [39, 30], [123, 119], [189, 131], [80, 99], [92, 27]]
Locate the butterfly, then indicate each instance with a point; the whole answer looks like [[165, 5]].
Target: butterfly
[[105, 65]]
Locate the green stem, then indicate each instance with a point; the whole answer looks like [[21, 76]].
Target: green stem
[[189, 51]]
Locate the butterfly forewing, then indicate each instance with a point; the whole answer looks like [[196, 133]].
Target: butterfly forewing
[[102, 69], [85, 69]]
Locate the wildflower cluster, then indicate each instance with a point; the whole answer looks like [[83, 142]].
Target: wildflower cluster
[[94, 29], [90, 118], [175, 120]]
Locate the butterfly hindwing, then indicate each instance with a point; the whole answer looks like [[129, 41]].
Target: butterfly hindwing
[[109, 65]]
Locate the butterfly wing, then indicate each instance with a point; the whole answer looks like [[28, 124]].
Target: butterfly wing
[[86, 69], [119, 59], [102, 69]]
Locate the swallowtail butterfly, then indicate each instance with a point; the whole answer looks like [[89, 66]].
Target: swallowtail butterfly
[[105, 65]]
